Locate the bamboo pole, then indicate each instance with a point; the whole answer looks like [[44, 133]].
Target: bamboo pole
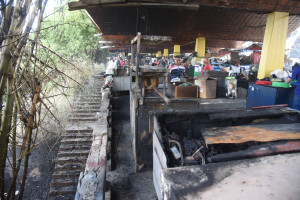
[[29, 134], [13, 142], [5, 128], [25, 138]]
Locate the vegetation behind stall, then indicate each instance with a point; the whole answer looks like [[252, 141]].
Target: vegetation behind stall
[[43, 61]]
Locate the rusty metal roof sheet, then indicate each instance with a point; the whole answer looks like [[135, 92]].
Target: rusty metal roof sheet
[[258, 133]]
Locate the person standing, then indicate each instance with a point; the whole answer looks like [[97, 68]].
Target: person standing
[[163, 62], [207, 66], [186, 64], [110, 72], [176, 70], [295, 76]]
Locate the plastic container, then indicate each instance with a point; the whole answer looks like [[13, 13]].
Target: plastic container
[[263, 83], [197, 68], [230, 77], [281, 84]]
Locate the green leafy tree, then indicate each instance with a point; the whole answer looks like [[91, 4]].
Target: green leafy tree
[[72, 34]]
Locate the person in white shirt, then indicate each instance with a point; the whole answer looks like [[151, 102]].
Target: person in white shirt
[[111, 67], [110, 72]]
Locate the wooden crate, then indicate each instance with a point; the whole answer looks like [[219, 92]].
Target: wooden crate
[[182, 91]]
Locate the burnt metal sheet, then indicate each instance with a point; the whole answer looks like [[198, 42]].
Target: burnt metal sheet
[[259, 133]]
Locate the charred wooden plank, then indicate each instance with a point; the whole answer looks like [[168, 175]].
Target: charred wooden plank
[[259, 133], [258, 151], [248, 113]]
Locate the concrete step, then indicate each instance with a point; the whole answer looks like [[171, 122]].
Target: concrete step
[[70, 140], [69, 160], [78, 135], [83, 119], [79, 131], [87, 110], [66, 175], [69, 166], [72, 147], [73, 153], [68, 190], [89, 103], [87, 107], [88, 99], [64, 183], [89, 96], [81, 115]]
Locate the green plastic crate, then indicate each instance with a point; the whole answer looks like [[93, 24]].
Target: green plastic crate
[[197, 73], [280, 84], [229, 77]]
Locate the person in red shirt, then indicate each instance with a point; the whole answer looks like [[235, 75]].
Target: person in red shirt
[[206, 66], [122, 62]]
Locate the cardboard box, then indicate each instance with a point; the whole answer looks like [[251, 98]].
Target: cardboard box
[[177, 91], [207, 87]]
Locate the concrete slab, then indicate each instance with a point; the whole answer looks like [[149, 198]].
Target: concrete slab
[[273, 177]]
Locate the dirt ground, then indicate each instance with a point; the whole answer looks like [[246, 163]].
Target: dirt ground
[[126, 184], [41, 166]]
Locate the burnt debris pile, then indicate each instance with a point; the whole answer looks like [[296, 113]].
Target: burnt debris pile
[[219, 136]]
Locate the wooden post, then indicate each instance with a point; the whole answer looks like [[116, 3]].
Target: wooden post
[[138, 48], [131, 65]]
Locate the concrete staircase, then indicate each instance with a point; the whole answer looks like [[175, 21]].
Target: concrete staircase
[[76, 141]]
